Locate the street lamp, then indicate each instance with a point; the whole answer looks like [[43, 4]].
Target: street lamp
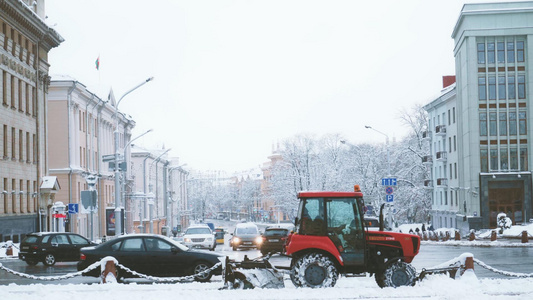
[[118, 202], [387, 144]]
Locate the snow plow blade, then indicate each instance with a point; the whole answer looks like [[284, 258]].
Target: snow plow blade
[[451, 271], [251, 273]]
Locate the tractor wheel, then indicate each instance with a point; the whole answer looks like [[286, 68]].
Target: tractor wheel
[[314, 270], [396, 274]]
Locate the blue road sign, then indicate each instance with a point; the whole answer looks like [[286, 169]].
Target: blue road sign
[[73, 208], [389, 190], [390, 198], [388, 181]]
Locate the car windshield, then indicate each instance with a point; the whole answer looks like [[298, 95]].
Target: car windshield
[[198, 231], [276, 232], [247, 230]]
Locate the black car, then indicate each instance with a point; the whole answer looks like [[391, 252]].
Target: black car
[[52, 247], [150, 254], [274, 239]]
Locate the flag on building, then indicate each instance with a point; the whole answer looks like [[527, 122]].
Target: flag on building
[[97, 63]]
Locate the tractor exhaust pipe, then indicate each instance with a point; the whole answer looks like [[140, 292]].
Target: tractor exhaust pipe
[[381, 227]]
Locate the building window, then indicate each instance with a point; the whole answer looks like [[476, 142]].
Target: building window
[[523, 159], [484, 160], [501, 87], [493, 159], [482, 88], [13, 142], [520, 51], [453, 109], [450, 144], [503, 123], [449, 118], [501, 52], [5, 142], [510, 52], [455, 170], [481, 53], [521, 87], [512, 123], [503, 159], [511, 87], [4, 87], [483, 124], [514, 158], [490, 53], [522, 122], [454, 143], [492, 88], [492, 123], [21, 146], [451, 171], [28, 147]]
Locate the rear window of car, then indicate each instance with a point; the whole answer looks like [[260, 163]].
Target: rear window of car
[[31, 239], [246, 230], [276, 232], [198, 231], [45, 239], [78, 240]]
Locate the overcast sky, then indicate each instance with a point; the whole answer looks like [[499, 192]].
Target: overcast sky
[[232, 78]]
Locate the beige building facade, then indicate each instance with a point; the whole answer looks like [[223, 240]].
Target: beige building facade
[[25, 41], [81, 134]]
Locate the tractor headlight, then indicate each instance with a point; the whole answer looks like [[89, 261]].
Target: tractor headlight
[[259, 240]]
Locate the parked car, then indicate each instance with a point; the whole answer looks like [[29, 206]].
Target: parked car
[[274, 239], [150, 254], [52, 247], [246, 235], [199, 236]]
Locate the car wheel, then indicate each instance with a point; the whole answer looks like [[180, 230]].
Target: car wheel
[[396, 274], [199, 268], [314, 270], [31, 262], [49, 259]]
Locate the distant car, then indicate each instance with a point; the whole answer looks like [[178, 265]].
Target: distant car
[[372, 223], [199, 236], [52, 247], [274, 239], [246, 235], [150, 254], [219, 235]]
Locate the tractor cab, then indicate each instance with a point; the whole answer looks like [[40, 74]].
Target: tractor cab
[[332, 222]]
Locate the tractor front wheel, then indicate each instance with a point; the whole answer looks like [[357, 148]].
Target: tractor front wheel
[[314, 270], [396, 274]]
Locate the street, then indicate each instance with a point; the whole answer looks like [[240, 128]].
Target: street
[[508, 259]]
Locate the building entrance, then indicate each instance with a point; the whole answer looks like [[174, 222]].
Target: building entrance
[[507, 200]]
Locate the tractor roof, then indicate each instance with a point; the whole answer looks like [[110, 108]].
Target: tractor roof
[[329, 194]]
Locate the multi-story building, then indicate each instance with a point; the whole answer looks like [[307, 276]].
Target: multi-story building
[[442, 159], [25, 41], [156, 193], [493, 62], [81, 133]]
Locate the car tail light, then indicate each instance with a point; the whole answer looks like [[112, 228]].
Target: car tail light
[[34, 247], [82, 256]]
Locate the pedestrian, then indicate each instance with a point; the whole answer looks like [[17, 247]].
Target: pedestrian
[[423, 227], [417, 230]]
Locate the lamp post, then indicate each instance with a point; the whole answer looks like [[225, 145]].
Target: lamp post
[[387, 145], [388, 168], [118, 202]]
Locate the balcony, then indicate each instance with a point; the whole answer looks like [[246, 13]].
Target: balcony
[[428, 183], [440, 130], [441, 156], [427, 159], [442, 182], [426, 135]]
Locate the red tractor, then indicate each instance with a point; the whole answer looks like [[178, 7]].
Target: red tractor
[[331, 239]]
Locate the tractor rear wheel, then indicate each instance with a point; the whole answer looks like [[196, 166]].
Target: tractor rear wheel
[[314, 270], [396, 274]]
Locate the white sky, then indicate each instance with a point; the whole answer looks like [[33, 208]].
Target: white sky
[[234, 77]]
